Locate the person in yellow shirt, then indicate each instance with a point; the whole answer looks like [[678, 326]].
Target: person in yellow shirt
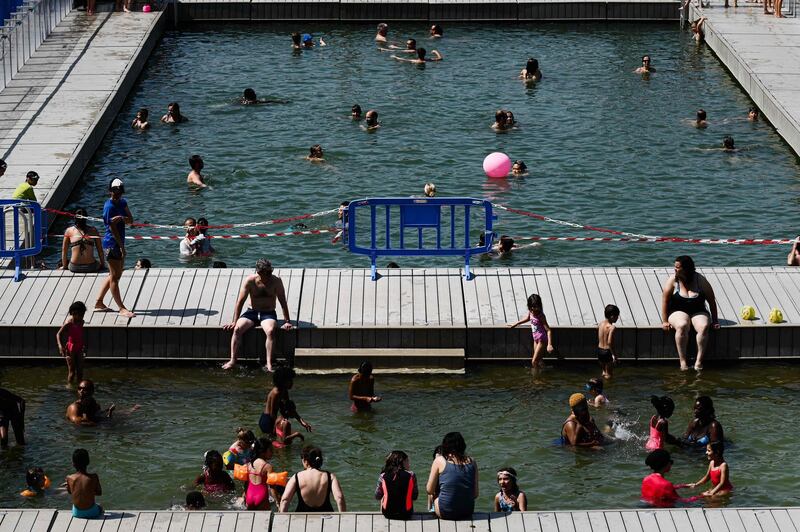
[[25, 190]]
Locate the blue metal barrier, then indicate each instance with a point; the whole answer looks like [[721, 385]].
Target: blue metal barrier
[[438, 226], [26, 239]]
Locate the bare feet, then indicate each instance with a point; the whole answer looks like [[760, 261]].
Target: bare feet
[[126, 10], [684, 367], [125, 313], [101, 307], [267, 369], [229, 364], [698, 366]]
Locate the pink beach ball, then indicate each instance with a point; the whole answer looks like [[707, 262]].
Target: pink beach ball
[[497, 164]]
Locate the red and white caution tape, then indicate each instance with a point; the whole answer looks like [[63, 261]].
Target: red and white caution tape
[[225, 237], [274, 221], [658, 239], [570, 224]]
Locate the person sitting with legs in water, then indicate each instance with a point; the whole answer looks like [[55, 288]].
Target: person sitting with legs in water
[[84, 487], [453, 480], [683, 305], [263, 288], [313, 486], [397, 487], [79, 245]]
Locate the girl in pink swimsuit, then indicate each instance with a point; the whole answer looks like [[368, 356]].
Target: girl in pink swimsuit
[[257, 491], [659, 426], [70, 341], [540, 330], [283, 428]]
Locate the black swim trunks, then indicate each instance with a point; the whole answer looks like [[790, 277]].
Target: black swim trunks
[[114, 253], [604, 356], [257, 316]]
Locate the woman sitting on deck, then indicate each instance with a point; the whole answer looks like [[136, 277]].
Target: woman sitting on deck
[[683, 305], [80, 242], [453, 482]]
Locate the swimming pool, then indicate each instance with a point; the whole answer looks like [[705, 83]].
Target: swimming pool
[[508, 418], [604, 146]]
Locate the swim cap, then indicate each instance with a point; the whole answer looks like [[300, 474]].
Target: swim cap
[[576, 399], [747, 313], [775, 316], [307, 37]]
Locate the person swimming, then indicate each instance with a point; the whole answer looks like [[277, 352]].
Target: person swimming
[[531, 71], [239, 452], [437, 32], [36, 482], [519, 168], [595, 387], [140, 122], [752, 114], [315, 154], [173, 115], [429, 190], [249, 97], [383, 30], [645, 68], [297, 44], [421, 59], [214, 478], [704, 428], [500, 120], [371, 119], [700, 120], [355, 112], [728, 144]]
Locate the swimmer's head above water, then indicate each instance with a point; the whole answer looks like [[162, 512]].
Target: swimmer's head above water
[[519, 167], [315, 152], [411, 44], [660, 461], [249, 96], [196, 163], [142, 114], [383, 29], [117, 188], [296, 39], [371, 118], [429, 190], [595, 385], [506, 244], [701, 116], [664, 405], [355, 112], [532, 66], [365, 368], [728, 144], [421, 53], [437, 31], [752, 114]]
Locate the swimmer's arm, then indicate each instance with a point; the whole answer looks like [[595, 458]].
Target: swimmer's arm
[[436, 56], [611, 331], [291, 486], [666, 292], [712, 301], [337, 493], [99, 245], [201, 479], [306, 425], [237, 310], [284, 306], [723, 478], [571, 432], [353, 397], [60, 332], [522, 502], [293, 436], [379, 488], [433, 479], [497, 502], [520, 322], [98, 490], [702, 480], [403, 59], [550, 346], [65, 246]]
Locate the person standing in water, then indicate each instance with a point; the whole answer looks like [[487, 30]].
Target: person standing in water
[[282, 382], [362, 389], [645, 68]]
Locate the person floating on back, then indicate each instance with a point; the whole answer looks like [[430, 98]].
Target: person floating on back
[[606, 356], [84, 487], [540, 330], [74, 348]]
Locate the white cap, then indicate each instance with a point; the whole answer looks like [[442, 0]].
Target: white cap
[[116, 183]]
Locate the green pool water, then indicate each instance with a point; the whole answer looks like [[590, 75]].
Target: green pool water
[[509, 418], [604, 146]]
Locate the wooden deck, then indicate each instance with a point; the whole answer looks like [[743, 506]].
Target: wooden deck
[[180, 311], [666, 520]]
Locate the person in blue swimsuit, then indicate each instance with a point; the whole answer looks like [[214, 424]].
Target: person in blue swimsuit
[[704, 428], [116, 215], [683, 306], [453, 480]]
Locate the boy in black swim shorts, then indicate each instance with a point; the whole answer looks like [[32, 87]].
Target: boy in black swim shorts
[[605, 340]]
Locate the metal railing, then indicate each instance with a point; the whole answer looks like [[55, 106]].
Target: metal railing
[[27, 28], [21, 232]]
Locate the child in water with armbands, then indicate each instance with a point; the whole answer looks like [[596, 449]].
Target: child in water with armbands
[[214, 477], [240, 450], [717, 472], [283, 427], [261, 478], [36, 481]]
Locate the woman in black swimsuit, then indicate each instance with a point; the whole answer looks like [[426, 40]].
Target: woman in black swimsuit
[[313, 486], [683, 305]]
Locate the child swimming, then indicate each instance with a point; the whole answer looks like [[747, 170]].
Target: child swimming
[[283, 427], [195, 501], [659, 424], [214, 478], [540, 330], [140, 122], [36, 482], [257, 491], [595, 388], [717, 472], [84, 487], [397, 487], [509, 498], [74, 348], [606, 356], [656, 489], [240, 450]]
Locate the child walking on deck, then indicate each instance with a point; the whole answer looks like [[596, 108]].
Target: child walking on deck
[[540, 330]]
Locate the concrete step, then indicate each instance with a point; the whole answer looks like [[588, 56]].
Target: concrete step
[[324, 361]]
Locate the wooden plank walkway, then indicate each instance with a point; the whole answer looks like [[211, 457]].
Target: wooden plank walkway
[[641, 520], [180, 311], [761, 53]]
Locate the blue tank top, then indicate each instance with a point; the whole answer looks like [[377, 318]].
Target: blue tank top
[[457, 490]]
